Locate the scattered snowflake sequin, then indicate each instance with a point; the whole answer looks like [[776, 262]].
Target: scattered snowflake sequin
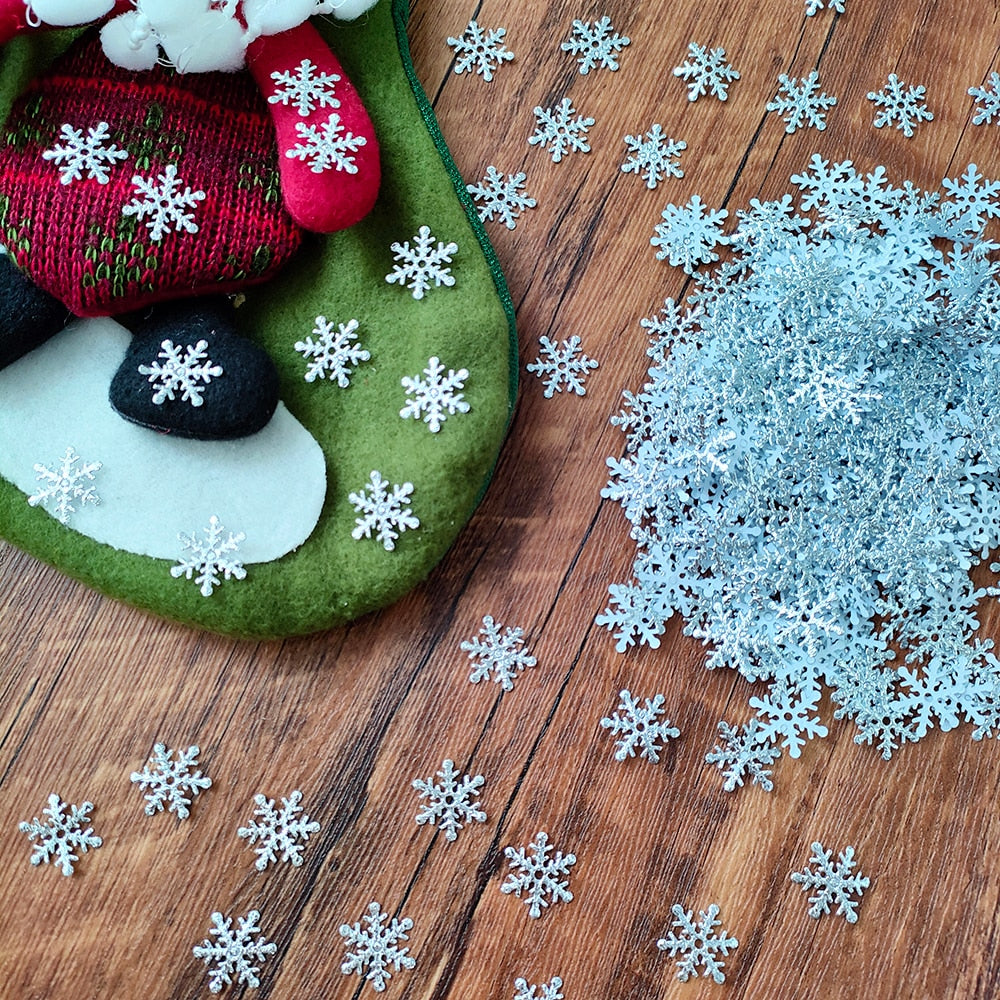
[[188, 372], [559, 131], [562, 366], [210, 556], [798, 102], [501, 655], [450, 800], [706, 72], [435, 398], [63, 834], [987, 100], [480, 49], [653, 155], [277, 831], [66, 485], [688, 234], [595, 44], [423, 264], [552, 990], [174, 782], [334, 353], [901, 105], [383, 512], [234, 953], [835, 882], [94, 154], [375, 947], [698, 944], [538, 877], [326, 146], [502, 199], [163, 204], [305, 88], [639, 727]]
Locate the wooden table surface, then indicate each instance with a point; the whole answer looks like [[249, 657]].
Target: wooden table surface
[[351, 717]]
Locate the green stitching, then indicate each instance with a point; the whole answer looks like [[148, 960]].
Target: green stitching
[[237, 270], [151, 141], [33, 126], [120, 260], [256, 174], [16, 235]]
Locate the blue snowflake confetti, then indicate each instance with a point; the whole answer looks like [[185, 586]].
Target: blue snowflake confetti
[[901, 105], [653, 155], [813, 6], [557, 129], [689, 235], [597, 45], [706, 72], [989, 97], [835, 882], [798, 102]]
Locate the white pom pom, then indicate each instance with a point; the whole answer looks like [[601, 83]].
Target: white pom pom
[[66, 12], [271, 17], [127, 43], [210, 42], [347, 10]]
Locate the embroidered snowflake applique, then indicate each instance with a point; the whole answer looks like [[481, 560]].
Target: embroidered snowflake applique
[[834, 881], [989, 98], [66, 485], [900, 104], [562, 366], [799, 104], [422, 264], [210, 555], [163, 204], [812, 6], [543, 879], [697, 944], [707, 72], [93, 154], [434, 398], [480, 49], [334, 353], [62, 834], [688, 234], [189, 372], [305, 88], [327, 146], [654, 155], [174, 782], [236, 953], [376, 947], [597, 45], [639, 727], [502, 199], [744, 753], [383, 512], [552, 990], [450, 801], [560, 131], [502, 655], [278, 830]]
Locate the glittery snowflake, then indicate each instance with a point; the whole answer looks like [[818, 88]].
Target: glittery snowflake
[[189, 372], [480, 49], [423, 264], [327, 146], [93, 154], [654, 155], [376, 947], [66, 485], [989, 98], [542, 878], [688, 234], [163, 204], [334, 353], [305, 88], [235, 953], [62, 834], [556, 128], [499, 198], [812, 6], [278, 830], [834, 881], [639, 727], [798, 102], [552, 990], [562, 365], [707, 72], [434, 398], [597, 45], [450, 801], [208, 555], [174, 782], [384, 513], [744, 753], [502, 655], [698, 944], [900, 104]]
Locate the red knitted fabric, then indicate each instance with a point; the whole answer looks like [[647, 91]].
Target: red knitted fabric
[[106, 248]]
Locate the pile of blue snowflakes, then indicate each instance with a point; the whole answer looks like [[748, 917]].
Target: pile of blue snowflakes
[[813, 467]]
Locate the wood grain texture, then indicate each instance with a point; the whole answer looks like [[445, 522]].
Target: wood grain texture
[[351, 717]]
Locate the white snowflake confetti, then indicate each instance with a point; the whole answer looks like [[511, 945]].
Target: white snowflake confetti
[[989, 98], [305, 87], [376, 947], [502, 199], [62, 834], [697, 944], [654, 155], [450, 802], [784, 714], [557, 128], [834, 881], [971, 201], [562, 366], [174, 782], [542, 879], [745, 753], [327, 146], [480, 49], [799, 104], [422, 264], [278, 830], [236, 953], [640, 727], [94, 154], [384, 513], [66, 485], [333, 353], [689, 235], [189, 373], [597, 45], [163, 204], [707, 72], [206, 557], [435, 398], [901, 105], [500, 655], [552, 990], [812, 6]]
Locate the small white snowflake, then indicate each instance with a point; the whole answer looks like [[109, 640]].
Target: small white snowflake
[[328, 146], [562, 365], [500, 655], [542, 879], [689, 235], [171, 781], [206, 557], [901, 105], [450, 801], [596, 44], [333, 353], [278, 830], [654, 155], [94, 154], [557, 128], [235, 953], [376, 947], [163, 204], [61, 834], [305, 88], [551, 990], [784, 715], [501, 198], [384, 513], [181, 372], [989, 97], [422, 264], [66, 485], [436, 398], [799, 104], [812, 6], [746, 752], [640, 726], [697, 944], [972, 199], [481, 49], [834, 881], [707, 72]]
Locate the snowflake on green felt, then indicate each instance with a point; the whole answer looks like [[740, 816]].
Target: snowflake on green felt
[[163, 204], [707, 72], [305, 88], [93, 154], [66, 485], [187, 373], [376, 947], [450, 801], [562, 365], [989, 98], [653, 155], [62, 834], [236, 953], [639, 727], [560, 131], [597, 45], [434, 398], [423, 264], [481, 49], [698, 944], [799, 103], [552, 990], [175, 782], [688, 234], [384, 512], [900, 104], [503, 199], [542, 878], [327, 146], [835, 882], [278, 830], [209, 557], [334, 353], [502, 655]]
